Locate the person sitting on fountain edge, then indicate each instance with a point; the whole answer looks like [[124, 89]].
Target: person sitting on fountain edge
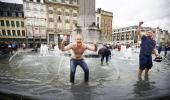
[[78, 49], [147, 47]]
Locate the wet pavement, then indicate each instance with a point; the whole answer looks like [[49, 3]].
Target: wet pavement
[[31, 76]]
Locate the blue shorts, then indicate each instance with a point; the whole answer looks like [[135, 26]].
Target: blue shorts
[[145, 61]]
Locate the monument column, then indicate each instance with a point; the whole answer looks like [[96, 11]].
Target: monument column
[[87, 12], [85, 22]]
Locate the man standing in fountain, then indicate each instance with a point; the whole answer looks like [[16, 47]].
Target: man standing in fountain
[[147, 47], [104, 52], [78, 49]]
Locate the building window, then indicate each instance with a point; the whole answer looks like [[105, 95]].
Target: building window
[[22, 24], [12, 23], [9, 14], [98, 25], [19, 14], [17, 22], [2, 23], [38, 1], [51, 37], [75, 0], [1, 13], [5, 14], [13, 14], [9, 32], [23, 33], [51, 20], [74, 15], [66, 13], [59, 18], [59, 30], [97, 19], [58, 0], [22, 15], [3, 32], [31, 0], [18, 9], [18, 32], [42, 10], [16, 14], [13, 32], [7, 23], [35, 9], [63, 1], [50, 11], [59, 12], [67, 21]]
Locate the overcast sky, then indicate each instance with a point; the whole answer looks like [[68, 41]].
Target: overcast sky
[[129, 12]]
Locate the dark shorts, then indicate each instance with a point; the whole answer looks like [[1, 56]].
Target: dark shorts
[[145, 61]]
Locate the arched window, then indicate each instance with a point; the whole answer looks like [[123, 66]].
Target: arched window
[[59, 19]]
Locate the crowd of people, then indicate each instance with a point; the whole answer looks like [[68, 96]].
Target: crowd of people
[[8, 48], [165, 48]]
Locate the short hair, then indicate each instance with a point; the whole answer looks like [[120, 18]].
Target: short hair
[[150, 31]]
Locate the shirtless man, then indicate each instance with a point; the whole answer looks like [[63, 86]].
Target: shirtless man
[[78, 49]]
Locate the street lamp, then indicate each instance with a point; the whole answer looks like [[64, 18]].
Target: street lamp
[[33, 32], [46, 26], [26, 37], [26, 33], [39, 33]]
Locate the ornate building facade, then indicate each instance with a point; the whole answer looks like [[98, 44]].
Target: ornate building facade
[[12, 27], [35, 21], [128, 35], [104, 23], [62, 16]]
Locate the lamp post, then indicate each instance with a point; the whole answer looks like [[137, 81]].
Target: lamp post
[[33, 26], [26, 32], [26, 37], [39, 33], [46, 29], [33, 35]]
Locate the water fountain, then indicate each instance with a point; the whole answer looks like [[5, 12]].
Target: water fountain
[[30, 76], [43, 50], [56, 50], [128, 52]]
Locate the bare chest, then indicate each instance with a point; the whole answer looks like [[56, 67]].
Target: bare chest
[[79, 49]]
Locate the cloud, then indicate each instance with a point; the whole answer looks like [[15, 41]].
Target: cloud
[[13, 1], [130, 12]]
